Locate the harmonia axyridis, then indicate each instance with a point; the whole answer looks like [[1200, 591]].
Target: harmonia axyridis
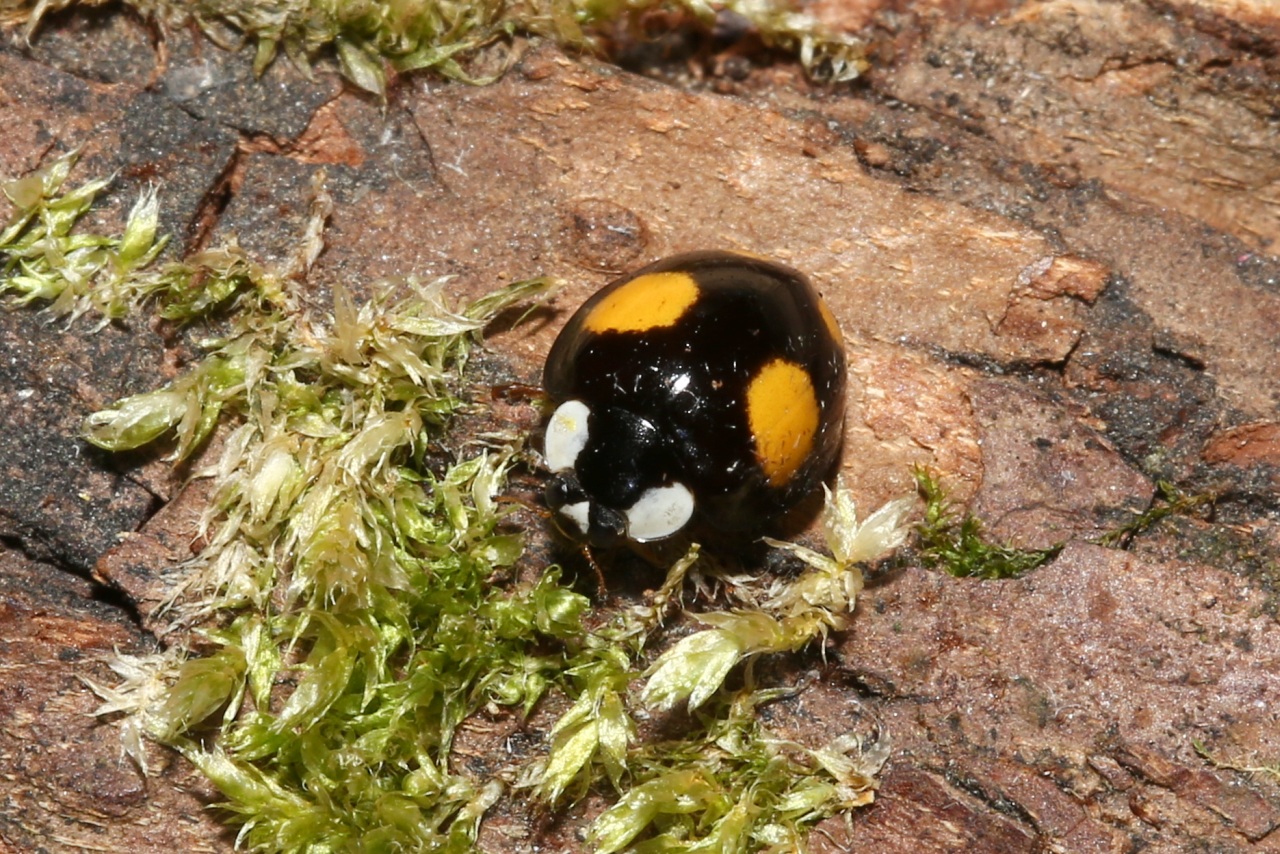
[[707, 388]]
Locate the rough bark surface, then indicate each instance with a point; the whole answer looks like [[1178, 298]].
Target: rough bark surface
[[1049, 230]]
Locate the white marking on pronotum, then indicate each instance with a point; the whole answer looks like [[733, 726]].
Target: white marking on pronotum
[[659, 512], [579, 514], [566, 435]]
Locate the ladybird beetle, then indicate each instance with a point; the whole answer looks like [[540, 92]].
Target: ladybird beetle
[[706, 387]]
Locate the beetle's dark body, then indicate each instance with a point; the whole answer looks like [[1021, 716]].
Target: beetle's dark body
[[669, 402]]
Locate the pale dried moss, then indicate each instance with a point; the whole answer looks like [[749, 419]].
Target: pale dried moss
[[344, 616], [405, 35]]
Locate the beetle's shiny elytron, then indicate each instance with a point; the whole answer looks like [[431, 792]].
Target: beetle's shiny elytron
[[707, 387]]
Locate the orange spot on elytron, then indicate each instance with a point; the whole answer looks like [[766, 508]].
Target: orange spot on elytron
[[833, 325], [782, 410], [645, 302]]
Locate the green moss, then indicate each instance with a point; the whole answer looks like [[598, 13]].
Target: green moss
[[1169, 501], [1271, 770], [735, 786], [345, 615], [370, 37], [76, 273], [956, 545]]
